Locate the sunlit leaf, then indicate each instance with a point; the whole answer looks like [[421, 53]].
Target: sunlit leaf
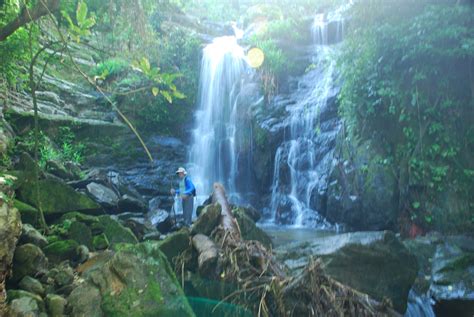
[[155, 91], [81, 13], [167, 96]]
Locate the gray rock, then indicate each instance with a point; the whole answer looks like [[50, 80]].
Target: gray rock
[[376, 263], [161, 219], [31, 285], [58, 169], [28, 260], [453, 274], [129, 203], [55, 305], [30, 235], [24, 307], [103, 195], [85, 300]]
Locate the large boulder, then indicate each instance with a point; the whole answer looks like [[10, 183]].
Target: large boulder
[[452, 274], [248, 228], [103, 195], [137, 279], [56, 198], [361, 193], [375, 263], [28, 260], [175, 243], [115, 232], [10, 229]]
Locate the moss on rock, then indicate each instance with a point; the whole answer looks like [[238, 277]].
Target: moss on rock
[[100, 242], [29, 214], [115, 232], [174, 244], [61, 250], [56, 197], [249, 230]]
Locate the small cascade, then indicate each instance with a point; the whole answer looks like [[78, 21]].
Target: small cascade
[[300, 164], [216, 139], [419, 306]]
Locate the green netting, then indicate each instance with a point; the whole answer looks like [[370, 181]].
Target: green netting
[[205, 307]]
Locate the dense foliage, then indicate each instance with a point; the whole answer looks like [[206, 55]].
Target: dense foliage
[[408, 69]]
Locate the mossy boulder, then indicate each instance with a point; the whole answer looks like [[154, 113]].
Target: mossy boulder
[[137, 279], [115, 232], [61, 250], [18, 294], [56, 305], [10, 230], [249, 229], [208, 219], [174, 244], [31, 285], [80, 233], [28, 260], [30, 235], [29, 214], [100, 242], [56, 198]]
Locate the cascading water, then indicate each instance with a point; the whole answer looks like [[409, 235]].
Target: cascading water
[[299, 157], [214, 154]]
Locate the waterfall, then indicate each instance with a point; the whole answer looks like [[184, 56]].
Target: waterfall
[[214, 153], [298, 156]]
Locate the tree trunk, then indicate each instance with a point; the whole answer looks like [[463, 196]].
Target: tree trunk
[[227, 218], [208, 254]]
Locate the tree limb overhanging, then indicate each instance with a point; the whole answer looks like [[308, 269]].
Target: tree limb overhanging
[[26, 16]]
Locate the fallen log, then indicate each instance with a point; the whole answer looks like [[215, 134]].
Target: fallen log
[[227, 218], [208, 254], [263, 286]]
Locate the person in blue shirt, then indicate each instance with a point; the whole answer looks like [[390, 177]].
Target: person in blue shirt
[[186, 192]]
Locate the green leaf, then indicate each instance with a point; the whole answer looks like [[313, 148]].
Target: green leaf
[[155, 91], [167, 96], [179, 95], [416, 204], [68, 18], [81, 13]]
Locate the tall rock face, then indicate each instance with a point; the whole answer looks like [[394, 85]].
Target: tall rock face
[[10, 230]]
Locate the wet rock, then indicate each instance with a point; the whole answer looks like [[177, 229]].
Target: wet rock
[[61, 250], [129, 203], [103, 195], [55, 305], [251, 212], [137, 278], [115, 232], [249, 230], [161, 219], [175, 243], [58, 198], [31, 285], [453, 276], [376, 263], [100, 242], [30, 235], [28, 260], [362, 193], [208, 220], [24, 307]]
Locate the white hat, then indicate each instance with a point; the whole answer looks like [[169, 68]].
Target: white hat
[[181, 170]]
